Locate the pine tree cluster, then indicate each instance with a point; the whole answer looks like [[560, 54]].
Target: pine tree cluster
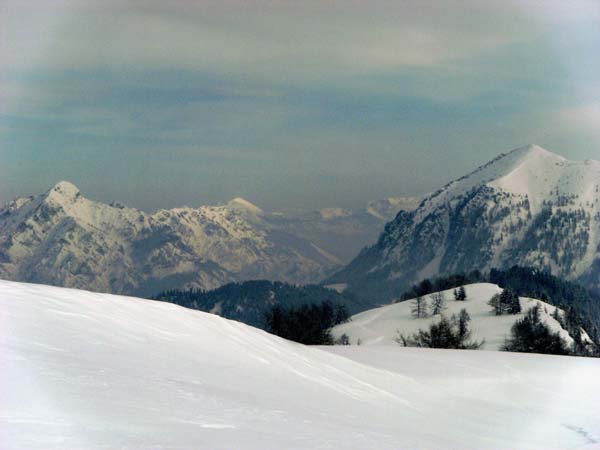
[[506, 302], [460, 294], [306, 324], [248, 302], [531, 335]]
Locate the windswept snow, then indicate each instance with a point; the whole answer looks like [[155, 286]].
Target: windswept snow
[[382, 325], [81, 370]]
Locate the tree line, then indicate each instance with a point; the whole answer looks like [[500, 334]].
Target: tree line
[[580, 304]]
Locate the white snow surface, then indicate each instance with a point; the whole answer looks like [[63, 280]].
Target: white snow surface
[[82, 370], [381, 325], [530, 171]]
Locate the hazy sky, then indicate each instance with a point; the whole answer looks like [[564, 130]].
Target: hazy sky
[[287, 103]]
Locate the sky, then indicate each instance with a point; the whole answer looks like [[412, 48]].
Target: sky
[[301, 104]]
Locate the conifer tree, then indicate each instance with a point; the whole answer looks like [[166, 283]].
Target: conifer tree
[[514, 304], [463, 325], [496, 304], [531, 335]]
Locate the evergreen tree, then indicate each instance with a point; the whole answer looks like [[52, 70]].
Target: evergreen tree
[[496, 305], [531, 335], [507, 302], [307, 324], [249, 301], [463, 325], [462, 293], [514, 304]]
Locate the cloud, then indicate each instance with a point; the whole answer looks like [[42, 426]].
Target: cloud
[[283, 90], [285, 39]]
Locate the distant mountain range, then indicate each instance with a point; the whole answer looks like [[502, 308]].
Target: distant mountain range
[[528, 207], [62, 238], [343, 232]]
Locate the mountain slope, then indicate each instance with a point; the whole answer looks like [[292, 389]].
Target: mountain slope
[[528, 207], [62, 238], [97, 371], [381, 325]]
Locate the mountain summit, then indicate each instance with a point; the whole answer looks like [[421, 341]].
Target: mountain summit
[[529, 207], [62, 238], [63, 190], [242, 204]]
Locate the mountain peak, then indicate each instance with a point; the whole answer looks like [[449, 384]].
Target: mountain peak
[[510, 170], [242, 204], [63, 190], [534, 150]]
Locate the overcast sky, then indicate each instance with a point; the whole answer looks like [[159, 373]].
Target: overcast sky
[[287, 103]]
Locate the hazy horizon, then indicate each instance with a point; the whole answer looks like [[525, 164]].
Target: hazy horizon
[[305, 105]]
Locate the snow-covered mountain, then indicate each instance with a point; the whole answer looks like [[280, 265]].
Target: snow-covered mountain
[[529, 207], [381, 326], [62, 238], [344, 232], [83, 370]]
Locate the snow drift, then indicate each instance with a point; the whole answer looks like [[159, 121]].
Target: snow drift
[[81, 370]]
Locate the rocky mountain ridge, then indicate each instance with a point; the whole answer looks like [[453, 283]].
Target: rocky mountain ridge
[[528, 207], [62, 238]]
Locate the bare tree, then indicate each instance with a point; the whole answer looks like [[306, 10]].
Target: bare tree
[[419, 307], [438, 303]]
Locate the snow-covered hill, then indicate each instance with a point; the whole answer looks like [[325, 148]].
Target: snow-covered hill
[[381, 325], [528, 207], [62, 238], [82, 370]]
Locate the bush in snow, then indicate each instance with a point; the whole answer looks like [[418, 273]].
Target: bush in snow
[[447, 333], [343, 340]]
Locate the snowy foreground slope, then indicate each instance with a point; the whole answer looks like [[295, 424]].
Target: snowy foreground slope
[[80, 370], [381, 325]]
